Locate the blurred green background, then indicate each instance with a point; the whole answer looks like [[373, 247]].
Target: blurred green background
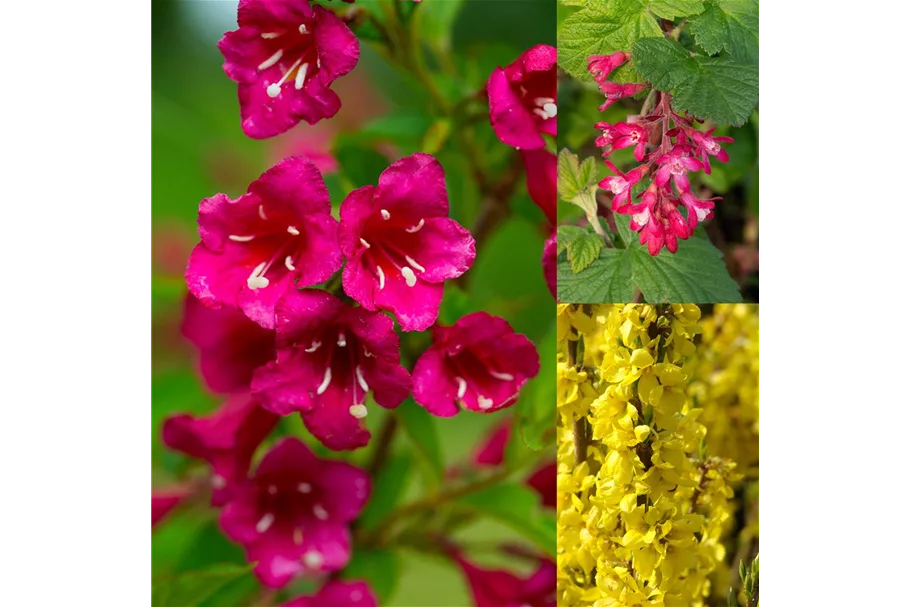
[[198, 149]]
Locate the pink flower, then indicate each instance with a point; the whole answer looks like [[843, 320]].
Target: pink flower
[[658, 222], [523, 98], [226, 439], [280, 233], [541, 180], [607, 135], [165, 500], [338, 593], [697, 210], [330, 356], [500, 588], [549, 261], [230, 345], [284, 57], [544, 481], [614, 92], [624, 135], [621, 185], [600, 66], [676, 163], [706, 146], [292, 516], [400, 243], [479, 362]]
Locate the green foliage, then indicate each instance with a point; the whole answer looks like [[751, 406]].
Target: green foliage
[[192, 588], [671, 9], [378, 567], [731, 25], [420, 428], [360, 165], [388, 488], [534, 413], [609, 279], [574, 178], [516, 506], [581, 246]]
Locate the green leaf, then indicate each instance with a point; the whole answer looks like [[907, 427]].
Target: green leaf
[[662, 62], [518, 507], [359, 164], [536, 407], [694, 274], [671, 9], [422, 431], [380, 568], [567, 234], [436, 136], [436, 23], [602, 28], [573, 177], [191, 589], [581, 252], [607, 280], [388, 487], [732, 25]]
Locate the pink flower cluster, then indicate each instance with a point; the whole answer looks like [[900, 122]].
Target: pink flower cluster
[[667, 155]]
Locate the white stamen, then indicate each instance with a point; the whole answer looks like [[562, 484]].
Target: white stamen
[[274, 90], [262, 213], [218, 481], [317, 63], [326, 379], [415, 228], [414, 264], [410, 278], [542, 101], [358, 411], [271, 60], [255, 281], [341, 340], [360, 379], [314, 346], [367, 352], [270, 35], [293, 231], [301, 76], [701, 213], [240, 238], [550, 109], [463, 386], [298, 536], [265, 522], [484, 403], [272, 489], [304, 487], [303, 28], [503, 376], [320, 512], [382, 277], [313, 559], [289, 264], [365, 243], [385, 214], [541, 113]]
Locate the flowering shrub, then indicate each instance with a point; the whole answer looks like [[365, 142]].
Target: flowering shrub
[[346, 296], [651, 502], [673, 80]]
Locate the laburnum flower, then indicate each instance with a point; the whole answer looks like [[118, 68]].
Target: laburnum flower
[[226, 439], [230, 345], [338, 593], [400, 243], [676, 163], [541, 180], [706, 146], [165, 500], [292, 515], [623, 135], [549, 261], [284, 56], [523, 98], [500, 588], [621, 185], [330, 355], [280, 233], [480, 363]]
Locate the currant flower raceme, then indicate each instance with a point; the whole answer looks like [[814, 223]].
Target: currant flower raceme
[[279, 234], [523, 98], [330, 355], [226, 439], [676, 164], [338, 593], [621, 185], [706, 146], [400, 243], [292, 515], [623, 135], [480, 363], [284, 56], [231, 346]]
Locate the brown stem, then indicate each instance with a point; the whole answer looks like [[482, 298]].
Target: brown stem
[[384, 444]]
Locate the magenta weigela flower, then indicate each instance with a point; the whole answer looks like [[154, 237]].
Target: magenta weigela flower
[[230, 345], [549, 261], [330, 355], [284, 56], [541, 180], [292, 515], [523, 98], [480, 363], [226, 439], [166, 500], [280, 233], [401, 244], [338, 593], [501, 588]]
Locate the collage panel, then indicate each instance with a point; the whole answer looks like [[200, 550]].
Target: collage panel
[[658, 455], [352, 303], [658, 151]]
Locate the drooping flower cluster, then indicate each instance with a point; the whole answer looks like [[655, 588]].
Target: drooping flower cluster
[[640, 509], [669, 146]]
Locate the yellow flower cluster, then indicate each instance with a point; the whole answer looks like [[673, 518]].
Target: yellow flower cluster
[[641, 507]]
